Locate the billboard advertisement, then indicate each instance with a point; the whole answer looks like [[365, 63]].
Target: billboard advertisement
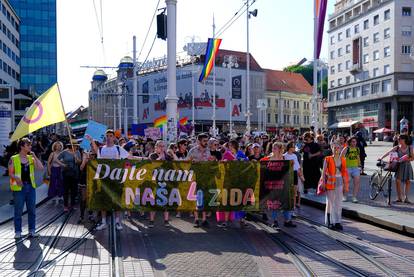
[[155, 84]]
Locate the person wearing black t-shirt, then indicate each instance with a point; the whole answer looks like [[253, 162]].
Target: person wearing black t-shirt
[[213, 144], [311, 171], [257, 153], [182, 152]]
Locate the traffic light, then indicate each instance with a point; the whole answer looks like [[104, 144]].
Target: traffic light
[[162, 26]]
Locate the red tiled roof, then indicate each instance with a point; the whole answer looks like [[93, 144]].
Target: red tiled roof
[[241, 59], [277, 80]]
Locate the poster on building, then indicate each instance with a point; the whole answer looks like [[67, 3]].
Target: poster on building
[[236, 87], [203, 95], [5, 125], [175, 186]]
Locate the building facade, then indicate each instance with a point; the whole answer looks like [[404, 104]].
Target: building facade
[[371, 69], [38, 48], [111, 100], [289, 102]]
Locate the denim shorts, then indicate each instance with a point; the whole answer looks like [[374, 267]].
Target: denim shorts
[[354, 171]]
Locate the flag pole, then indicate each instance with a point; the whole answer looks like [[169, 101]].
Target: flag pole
[[66, 120]]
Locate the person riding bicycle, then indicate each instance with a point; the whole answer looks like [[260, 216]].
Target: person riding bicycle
[[404, 172]]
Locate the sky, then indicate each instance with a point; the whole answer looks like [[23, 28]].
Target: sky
[[280, 35]]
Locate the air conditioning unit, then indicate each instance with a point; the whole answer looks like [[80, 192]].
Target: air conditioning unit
[[356, 68]]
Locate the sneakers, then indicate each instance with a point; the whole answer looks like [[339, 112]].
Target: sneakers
[[80, 220], [101, 226], [166, 223], [118, 226], [406, 201], [178, 215], [196, 224], [151, 224], [338, 227], [344, 198], [289, 224], [222, 225], [354, 200], [33, 234], [275, 224], [205, 224], [18, 235]]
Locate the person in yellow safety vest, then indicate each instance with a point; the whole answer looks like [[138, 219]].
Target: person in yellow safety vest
[[334, 179], [23, 185]]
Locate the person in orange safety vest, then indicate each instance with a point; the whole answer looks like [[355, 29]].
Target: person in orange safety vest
[[335, 180]]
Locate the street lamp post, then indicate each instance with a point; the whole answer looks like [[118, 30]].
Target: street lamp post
[[171, 97], [248, 114], [229, 62]]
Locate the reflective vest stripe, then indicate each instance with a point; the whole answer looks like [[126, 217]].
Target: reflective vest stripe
[[18, 172]]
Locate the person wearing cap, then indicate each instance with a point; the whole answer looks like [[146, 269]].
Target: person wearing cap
[[70, 159], [257, 153], [22, 167]]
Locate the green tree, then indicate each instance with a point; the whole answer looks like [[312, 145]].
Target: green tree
[[307, 73]]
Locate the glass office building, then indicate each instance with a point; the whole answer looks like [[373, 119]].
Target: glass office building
[[38, 55]]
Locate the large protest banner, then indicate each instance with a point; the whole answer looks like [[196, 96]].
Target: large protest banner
[[177, 185], [276, 185]]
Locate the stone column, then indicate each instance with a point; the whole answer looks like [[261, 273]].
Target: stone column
[[394, 114]]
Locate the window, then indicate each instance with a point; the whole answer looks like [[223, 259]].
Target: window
[[348, 80], [356, 29], [376, 20], [387, 69], [387, 51], [339, 67], [386, 86], [375, 72], [406, 31], [348, 65], [332, 69], [339, 82], [406, 49], [269, 102], [406, 11], [332, 84], [356, 91], [348, 33], [340, 36], [366, 58], [332, 40], [376, 55], [375, 88], [339, 52], [348, 48], [376, 37], [387, 33], [387, 15], [365, 90], [332, 55], [348, 93], [268, 117], [276, 118], [366, 24], [340, 95], [365, 75], [366, 41], [331, 96]]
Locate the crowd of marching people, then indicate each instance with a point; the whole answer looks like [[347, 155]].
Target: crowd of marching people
[[322, 163]]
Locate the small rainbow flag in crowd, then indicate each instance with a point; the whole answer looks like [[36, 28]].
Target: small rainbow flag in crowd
[[213, 45], [183, 121], [160, 121]]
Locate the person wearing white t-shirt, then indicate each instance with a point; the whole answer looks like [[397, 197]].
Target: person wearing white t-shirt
[[290, 155], [113, 152]]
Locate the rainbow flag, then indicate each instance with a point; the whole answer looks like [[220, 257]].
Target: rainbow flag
[[320, 13], [183, 121], [213, 45], [160, 121]]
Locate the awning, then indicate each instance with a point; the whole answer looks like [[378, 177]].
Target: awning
[[344, 124]]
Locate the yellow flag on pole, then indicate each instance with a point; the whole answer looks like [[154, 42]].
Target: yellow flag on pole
[[46, 110]]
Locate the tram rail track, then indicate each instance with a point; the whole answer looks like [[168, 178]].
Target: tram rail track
[[354, 244]]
